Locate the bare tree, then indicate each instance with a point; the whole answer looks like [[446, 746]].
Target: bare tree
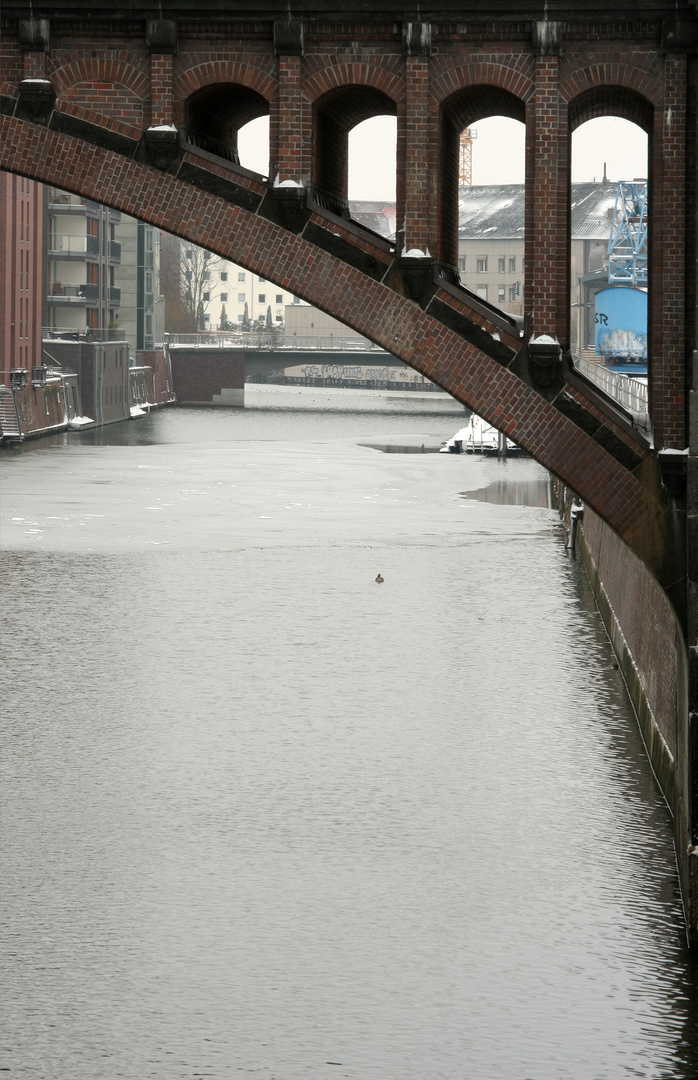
[[197, 271]]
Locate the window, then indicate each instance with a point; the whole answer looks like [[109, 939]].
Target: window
[[240, 318], [512, 265], [187, 274], [501, 293], [207, 275], [501, 264], [296, 300], [482, 292], [461, 263], [207, 256], [262, 279], [148, 323], [224, 275], [262, 298], [279, 318], [148, 279], [224, 298], [482, 264], [514, 291], [207, 297], [148, 239], [279, 298], [241, 298], [241, 277]]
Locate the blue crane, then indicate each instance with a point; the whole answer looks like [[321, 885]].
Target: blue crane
[[627, 244]]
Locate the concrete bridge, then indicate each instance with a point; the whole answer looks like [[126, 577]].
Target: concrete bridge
[[142, 113]]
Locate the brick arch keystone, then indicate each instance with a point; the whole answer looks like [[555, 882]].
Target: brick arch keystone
[[627, 500]]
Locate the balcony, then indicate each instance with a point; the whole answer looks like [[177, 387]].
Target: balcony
[[60, 202], [75, 247], [72, 294]]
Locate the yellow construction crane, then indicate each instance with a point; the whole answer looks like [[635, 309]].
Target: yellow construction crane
[[465, 157]]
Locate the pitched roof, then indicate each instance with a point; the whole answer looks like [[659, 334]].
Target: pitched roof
[[496, 211]]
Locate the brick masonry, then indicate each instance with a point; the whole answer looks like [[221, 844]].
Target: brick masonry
[[315, 90], [202, 376]]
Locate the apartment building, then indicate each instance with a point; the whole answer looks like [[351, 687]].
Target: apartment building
[[103, 273], [22, 273]]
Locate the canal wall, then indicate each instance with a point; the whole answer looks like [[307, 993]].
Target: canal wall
[[648, 641], [208, 376]]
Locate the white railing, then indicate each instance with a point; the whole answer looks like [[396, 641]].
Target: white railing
[[628, 392], [269, 340]]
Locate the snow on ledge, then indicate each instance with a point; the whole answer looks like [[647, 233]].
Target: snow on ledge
[[162, 127], [287, 183], [416, 253], [543, 339], [79, 421]]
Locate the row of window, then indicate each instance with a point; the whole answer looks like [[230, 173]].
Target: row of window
[[242, 297], [514, 293], [481, 264]]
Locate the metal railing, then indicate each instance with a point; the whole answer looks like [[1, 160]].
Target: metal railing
[[74, 245], [260, 340], [210, 145], [69, 333], [630, 393]]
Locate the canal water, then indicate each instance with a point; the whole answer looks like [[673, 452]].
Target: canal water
[[265, 816]]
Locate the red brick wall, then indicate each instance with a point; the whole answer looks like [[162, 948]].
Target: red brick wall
[[200, 374]]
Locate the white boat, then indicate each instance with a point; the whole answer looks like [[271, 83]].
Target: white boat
[[479, 437]]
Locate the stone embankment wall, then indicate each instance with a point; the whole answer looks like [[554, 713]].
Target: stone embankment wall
[[208, 376], [647, 640]]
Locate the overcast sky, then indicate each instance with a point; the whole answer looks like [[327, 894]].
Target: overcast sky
[[498, 153]]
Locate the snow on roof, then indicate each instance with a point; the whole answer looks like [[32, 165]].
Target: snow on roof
[[497, 211]]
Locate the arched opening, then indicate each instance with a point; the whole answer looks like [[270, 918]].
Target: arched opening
[[374, 141], [460, 113], [610, 240], [216, 114], [253, 145], [337, 114]]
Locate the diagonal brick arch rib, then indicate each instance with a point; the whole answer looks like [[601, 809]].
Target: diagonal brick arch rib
[[627, 500]]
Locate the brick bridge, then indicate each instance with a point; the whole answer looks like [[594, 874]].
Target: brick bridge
[[139, 108]]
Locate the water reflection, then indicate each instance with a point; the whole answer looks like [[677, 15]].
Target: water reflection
[[514, 493]]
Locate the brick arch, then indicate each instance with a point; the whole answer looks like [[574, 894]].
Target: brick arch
[[623, 82], [218, 112], [109, 99], [624, 495], [348, 74], [512, 78], [218, 72], [85, 70], [334, 116], [459, 110], [611, 100]]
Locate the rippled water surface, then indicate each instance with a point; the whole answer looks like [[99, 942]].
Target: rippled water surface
[[264, 816]]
